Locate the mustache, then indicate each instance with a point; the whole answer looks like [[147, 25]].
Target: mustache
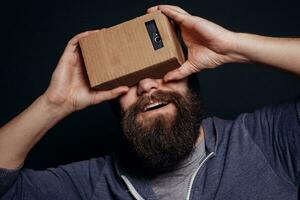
[[156, 96]]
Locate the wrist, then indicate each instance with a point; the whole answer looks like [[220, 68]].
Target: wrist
[[235, 52], [54, 109], [244, 43]]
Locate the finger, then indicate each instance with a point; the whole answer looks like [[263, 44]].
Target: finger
[[178, 17], [162, 7], [72, 44], [180, 73], [185, 20], [175, 8], [101, 96], [152, 9]]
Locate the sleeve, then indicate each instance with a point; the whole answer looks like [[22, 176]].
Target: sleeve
[[276, 131], [7, 177], [73, 181]]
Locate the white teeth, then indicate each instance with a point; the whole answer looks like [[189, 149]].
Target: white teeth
[[153, 105]]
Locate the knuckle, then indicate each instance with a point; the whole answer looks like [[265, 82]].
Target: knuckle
[[112, 93]]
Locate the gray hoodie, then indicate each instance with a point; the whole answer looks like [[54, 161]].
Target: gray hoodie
[[256, 156]]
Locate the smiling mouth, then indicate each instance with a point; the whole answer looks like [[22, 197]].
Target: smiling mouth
[[154, 105]]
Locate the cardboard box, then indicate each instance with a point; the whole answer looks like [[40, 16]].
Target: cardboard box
[[144, 47]]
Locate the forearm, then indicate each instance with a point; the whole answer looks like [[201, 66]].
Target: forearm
[[19, 135], [282, 53]]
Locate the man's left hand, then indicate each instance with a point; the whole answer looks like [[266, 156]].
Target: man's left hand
[[209, 45]]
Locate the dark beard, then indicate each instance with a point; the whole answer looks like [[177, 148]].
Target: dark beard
[[159, 147]]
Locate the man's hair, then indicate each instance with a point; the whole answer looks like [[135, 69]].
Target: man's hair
[[193, 85]]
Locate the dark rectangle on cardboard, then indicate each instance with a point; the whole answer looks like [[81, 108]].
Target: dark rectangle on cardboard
[[154, 35]]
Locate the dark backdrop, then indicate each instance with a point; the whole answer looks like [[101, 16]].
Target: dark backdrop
[[34, 34]]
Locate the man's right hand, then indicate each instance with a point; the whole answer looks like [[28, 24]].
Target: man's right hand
[[69, 90], [69, 87]]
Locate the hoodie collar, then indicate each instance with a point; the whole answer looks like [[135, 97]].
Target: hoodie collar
[[138, 185]]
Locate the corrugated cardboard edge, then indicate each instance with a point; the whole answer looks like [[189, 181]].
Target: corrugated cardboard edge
[[150, 72], [175, 41]]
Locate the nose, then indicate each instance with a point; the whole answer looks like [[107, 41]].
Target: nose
[[146, 86]]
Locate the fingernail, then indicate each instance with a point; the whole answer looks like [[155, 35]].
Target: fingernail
[[124, 89], [153, 8]]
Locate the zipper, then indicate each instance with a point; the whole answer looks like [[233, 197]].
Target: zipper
[[131, 188], [195, 173]]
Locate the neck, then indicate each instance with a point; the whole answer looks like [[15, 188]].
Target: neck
[[201, 136]]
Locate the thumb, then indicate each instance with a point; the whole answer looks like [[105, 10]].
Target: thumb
[[101, 96], [185, 70]]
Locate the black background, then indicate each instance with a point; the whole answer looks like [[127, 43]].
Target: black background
[[34, 34]]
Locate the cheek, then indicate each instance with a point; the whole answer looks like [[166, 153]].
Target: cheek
[[180, 87], [128, 99]]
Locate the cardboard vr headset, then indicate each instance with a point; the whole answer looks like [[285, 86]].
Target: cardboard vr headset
[[144, 47]]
